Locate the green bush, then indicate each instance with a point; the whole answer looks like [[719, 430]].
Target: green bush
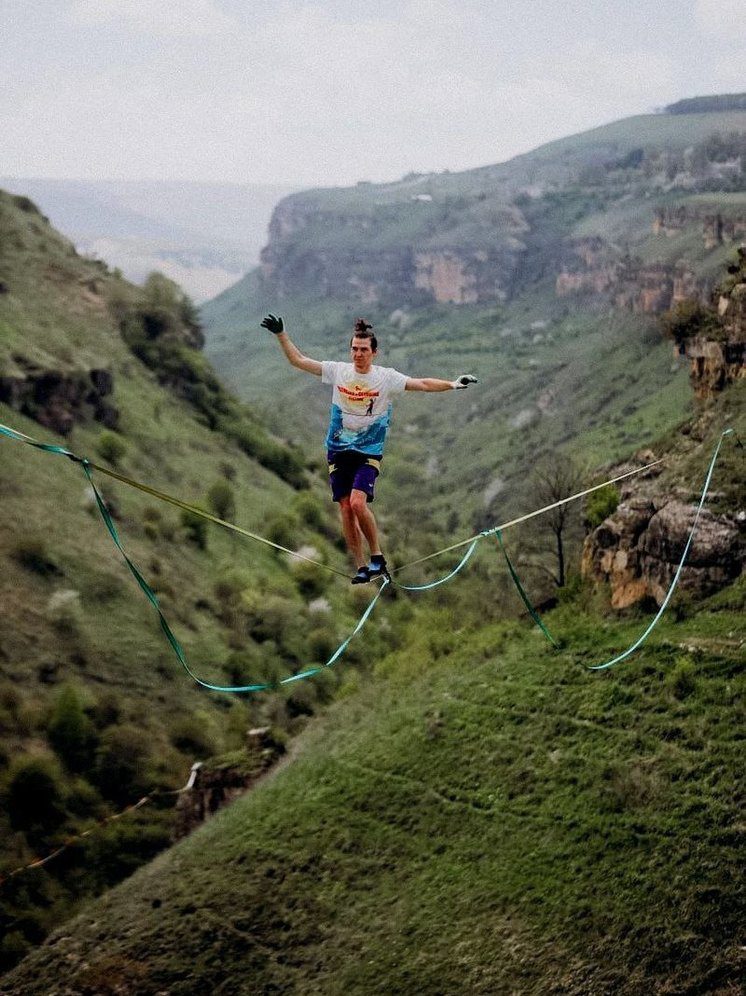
[[599, 505], [687, 319], [34, 794], [192, 735], [682, 678], [195, 527], [122, 763], [222, 500], [283, 528], [111, 447], [311, 579], [309, 510], [71, 733]]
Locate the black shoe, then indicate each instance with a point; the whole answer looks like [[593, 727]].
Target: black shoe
[[362, 576], [377, 567]]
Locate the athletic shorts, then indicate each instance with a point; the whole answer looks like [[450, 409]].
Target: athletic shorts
[[349, 469]]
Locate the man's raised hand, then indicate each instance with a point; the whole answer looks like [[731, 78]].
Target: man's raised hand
[[462, 382], [274, 324]]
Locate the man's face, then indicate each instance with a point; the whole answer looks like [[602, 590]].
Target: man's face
[[362, 354]]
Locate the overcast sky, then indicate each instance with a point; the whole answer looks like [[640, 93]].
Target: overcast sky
[[322, 93]]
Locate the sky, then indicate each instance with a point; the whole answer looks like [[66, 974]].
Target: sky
[[329, 93]]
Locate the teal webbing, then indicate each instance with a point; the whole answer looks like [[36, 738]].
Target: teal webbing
[[669, 593], [153, 599], [526, 601], [641, 639], [150, 594], [434, 584]]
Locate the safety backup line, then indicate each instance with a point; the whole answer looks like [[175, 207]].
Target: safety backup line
[[88, 466]]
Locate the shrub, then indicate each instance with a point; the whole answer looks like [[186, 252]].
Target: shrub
[[196, 528], [322, 642], [111, 447], [222, 500], [34, 794], [282, 528], [599, 505], [122, 758], [687, 319], [682, 678], [310, 578], [309, 510], [192, 735], [31, 552], [71, 732]]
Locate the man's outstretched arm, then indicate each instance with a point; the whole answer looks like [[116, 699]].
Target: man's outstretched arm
[[434, 384], [294, 356]]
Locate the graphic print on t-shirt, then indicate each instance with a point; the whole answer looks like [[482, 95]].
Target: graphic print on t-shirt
[[361, 405]]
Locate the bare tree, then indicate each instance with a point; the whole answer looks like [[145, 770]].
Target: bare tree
[[555, 478]]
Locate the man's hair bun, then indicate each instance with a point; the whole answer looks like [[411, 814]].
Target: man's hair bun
[[361, 325]]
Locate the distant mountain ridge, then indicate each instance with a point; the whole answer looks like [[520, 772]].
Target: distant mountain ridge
[[479, 236], [203, 235]]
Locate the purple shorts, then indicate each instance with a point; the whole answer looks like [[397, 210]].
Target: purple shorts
[[349, 469]]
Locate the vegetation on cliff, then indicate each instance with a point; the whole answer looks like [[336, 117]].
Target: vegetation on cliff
[[94, 708], [483, 813]]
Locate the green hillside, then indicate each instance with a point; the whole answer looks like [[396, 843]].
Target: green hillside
[[486, 816], [95, 709], [470, 810]]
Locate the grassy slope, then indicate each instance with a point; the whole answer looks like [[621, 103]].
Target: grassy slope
[[107, 643], [486, 817], [48, 321]]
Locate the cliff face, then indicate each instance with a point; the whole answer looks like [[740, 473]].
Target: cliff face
[[718, 355], [357, 254], [637, 549]]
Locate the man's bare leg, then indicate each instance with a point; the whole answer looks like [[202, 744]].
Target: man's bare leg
[[365, 520], [351, 530]]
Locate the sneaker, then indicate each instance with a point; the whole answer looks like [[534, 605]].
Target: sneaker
[[377, 567], [362, 576]]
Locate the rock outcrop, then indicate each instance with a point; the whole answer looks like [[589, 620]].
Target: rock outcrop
[[592, 267], [215, 784], [718, 354], [636, 551], [57, 399]]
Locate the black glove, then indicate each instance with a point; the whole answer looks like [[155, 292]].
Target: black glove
[[275, 325], [463, 381]]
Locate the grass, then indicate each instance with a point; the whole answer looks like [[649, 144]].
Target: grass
[[72, 612], [496, 819]]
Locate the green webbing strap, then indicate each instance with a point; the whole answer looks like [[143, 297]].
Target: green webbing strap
[[152, 598], [524, 597], [434, 584], [177, 648], [162, 496], [669, 593]]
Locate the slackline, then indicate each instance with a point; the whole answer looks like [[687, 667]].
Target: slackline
[[88, 466]]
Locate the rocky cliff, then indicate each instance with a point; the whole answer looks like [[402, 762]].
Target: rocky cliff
[[637, 549], [215, 784]]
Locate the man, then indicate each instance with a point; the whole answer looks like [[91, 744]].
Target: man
[[360, 416]]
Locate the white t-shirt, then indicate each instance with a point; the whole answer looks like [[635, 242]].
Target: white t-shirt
[[361, 405]]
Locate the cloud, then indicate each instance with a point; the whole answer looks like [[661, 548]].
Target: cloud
[[187, 18], [721, 17]]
